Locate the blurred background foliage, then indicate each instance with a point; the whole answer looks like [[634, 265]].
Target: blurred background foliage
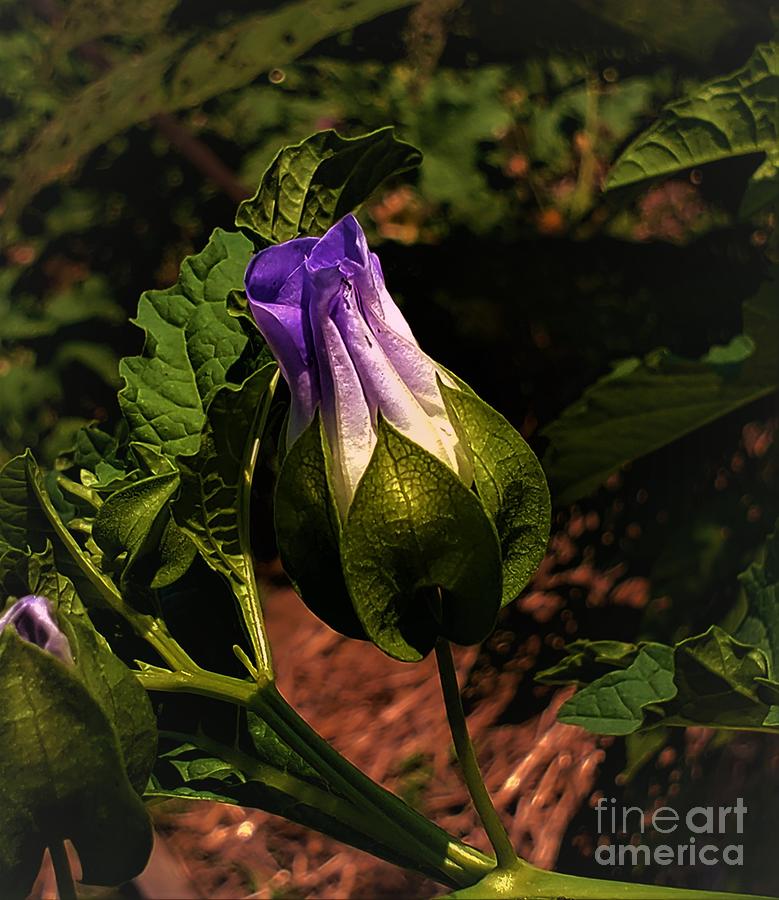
[[605, 324]]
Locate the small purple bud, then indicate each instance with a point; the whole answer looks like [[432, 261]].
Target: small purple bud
[[34, 622]]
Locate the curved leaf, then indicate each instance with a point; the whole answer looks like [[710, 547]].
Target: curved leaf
[[311, 185], [730, 116]]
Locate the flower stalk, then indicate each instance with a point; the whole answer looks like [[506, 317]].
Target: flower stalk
[[466, 756]]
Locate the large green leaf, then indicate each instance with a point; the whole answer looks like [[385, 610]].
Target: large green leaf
[[643, 405], [711, 679], [178, 73], [616, 703], [63, 775], [511, 484], [313, 184], [420, 556], [213, 506], [730, 116], [191, 342], [308, 532]]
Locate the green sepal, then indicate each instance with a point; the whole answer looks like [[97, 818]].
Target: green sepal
[[62, 775], [511, 485], [308, 532], [414, 529]]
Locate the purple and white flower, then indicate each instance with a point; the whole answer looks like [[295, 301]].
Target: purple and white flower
[[34, 622], [344, 347]]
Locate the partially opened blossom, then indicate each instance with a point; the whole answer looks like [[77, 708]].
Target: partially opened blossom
[[34, 622], [344, 347]]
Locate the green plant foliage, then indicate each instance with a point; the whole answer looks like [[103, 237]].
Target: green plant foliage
[[308, 531], [511, 485], [694, 29], [617, 702], [315, 183], [419, 554], [191, 342], [730, 116], [135, 522], [710, 679], [213, 505], [174, 75], [642, 405], [54, 732], [760, 625]]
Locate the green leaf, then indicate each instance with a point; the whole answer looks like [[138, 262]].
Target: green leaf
[[191, 342], [308, 531], [313, 184], [135, 521], [730, 116], [640, 406], [213, 505], [588, 660], [762, 190], [412, 530], [761, 322], [120, 695], [511, 484], [178, 73], [272, 750], [60, 753], [760, 626], [719, 681], [711, 679], [616, 703], [693, 28]]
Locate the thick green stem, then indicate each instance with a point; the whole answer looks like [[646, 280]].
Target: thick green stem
[[66, 888], [466, 755], [394, 823]]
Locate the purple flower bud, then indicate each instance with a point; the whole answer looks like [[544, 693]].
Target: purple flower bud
[[343, 346], [34, 622]]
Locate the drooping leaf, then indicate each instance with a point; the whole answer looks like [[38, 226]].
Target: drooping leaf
[[420, 556], [761, 585], [616, 703], [191, 342], [308, 532], [313, 184], [60, 754], [511, 484], [730, 116], [178, 73]]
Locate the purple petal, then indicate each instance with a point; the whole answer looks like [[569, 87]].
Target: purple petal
[[269, 270], [34, 622], [343, 247]]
